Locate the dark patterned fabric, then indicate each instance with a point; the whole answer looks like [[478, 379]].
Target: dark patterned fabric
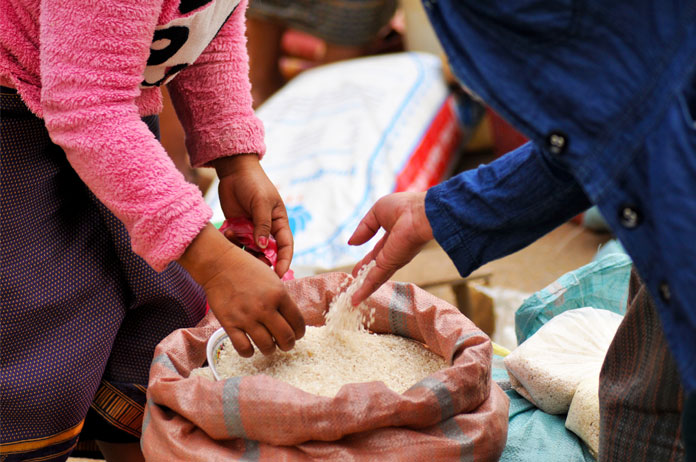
[[338, 22], [640, 394], [689, 427], [79, 311]]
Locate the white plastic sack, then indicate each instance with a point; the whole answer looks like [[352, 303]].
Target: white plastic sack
[[337, 138], [547, 368]]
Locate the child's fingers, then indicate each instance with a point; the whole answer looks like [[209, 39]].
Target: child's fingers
[[283, 236], [261, 338], [261, 216], [281, 331], [229, 234], [367, 228], [240, 342], [291, 313]]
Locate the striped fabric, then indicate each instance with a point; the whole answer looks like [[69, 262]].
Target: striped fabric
[[640, 395], [119, 409], [80, 313], [689, 427]]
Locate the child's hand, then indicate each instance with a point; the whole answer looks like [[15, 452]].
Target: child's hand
[[246, 296], [245, 190]]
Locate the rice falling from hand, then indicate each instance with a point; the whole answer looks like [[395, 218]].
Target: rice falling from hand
[[341, 352], [342, 315]]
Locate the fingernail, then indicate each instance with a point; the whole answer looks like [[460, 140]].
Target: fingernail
[[263, 242]]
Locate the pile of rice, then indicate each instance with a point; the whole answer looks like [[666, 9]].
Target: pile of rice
[[341, 352]]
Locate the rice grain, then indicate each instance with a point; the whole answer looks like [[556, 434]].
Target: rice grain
[[341, 352]]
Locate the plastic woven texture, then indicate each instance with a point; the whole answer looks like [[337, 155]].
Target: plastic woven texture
[[458, 413], [601, 284]]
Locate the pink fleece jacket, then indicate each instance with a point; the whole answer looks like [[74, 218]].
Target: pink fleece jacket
[[91, 68]]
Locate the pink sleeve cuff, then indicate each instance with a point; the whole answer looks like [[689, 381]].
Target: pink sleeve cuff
[[212, 98], [164, 239], [238, 137]]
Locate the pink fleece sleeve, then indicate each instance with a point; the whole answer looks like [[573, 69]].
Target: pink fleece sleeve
[[93, 54], [212, 98]]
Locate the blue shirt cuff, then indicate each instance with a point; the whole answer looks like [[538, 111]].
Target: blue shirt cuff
[[496, 209]]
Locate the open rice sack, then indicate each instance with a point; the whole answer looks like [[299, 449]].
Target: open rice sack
[[457, 412]]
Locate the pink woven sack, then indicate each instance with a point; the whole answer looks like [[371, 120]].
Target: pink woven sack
[[456, 414]]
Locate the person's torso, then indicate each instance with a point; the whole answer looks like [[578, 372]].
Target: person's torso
[[608, 91], [184, 29]]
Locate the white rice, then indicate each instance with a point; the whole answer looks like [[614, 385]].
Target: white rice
[[323, 361], [583, 415], [342, 315], [339, 353]]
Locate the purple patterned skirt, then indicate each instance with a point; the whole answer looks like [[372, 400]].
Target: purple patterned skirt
[[80, 313]]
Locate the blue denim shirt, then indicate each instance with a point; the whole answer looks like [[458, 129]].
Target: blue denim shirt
[[606, 91]]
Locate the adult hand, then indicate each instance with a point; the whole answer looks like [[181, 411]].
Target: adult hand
[[402, 215], [248, 299], [246, 191]]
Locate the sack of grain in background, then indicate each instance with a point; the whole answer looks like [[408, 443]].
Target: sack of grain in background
[[457, 412]]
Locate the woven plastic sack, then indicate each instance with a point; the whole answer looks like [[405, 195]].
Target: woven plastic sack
[[345, 134], [535, 436], [458, 413], [601, 284]]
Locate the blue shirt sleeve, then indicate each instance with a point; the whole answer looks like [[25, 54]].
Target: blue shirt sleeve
[[496, 209]]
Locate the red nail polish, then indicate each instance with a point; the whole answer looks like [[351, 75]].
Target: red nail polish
[[263, 241]]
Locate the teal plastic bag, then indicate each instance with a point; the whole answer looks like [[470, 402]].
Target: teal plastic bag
[[601, 284], [533, 435]]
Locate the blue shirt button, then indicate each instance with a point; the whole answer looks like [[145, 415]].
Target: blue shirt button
[[665, 292], [629, 217], [556, 142]]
